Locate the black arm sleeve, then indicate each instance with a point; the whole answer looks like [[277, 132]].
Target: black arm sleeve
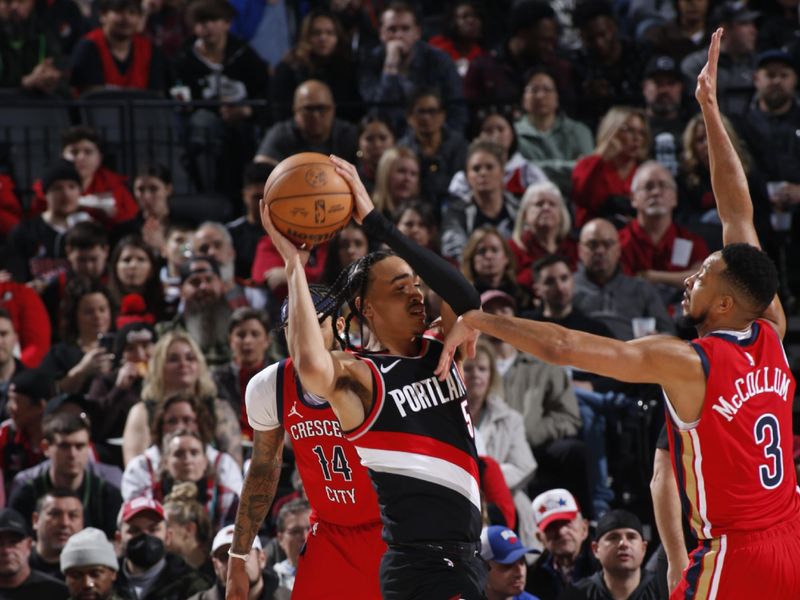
[[439, 274]]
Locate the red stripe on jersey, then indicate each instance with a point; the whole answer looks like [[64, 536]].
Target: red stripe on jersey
[[419, 444]]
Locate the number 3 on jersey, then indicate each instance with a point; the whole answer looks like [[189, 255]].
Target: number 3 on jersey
[[337, 464], [767, 434]]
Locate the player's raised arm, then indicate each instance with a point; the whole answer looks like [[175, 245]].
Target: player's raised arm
[[444, 279], [728, 179]]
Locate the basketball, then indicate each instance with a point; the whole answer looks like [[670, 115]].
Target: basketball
[[308, 200]]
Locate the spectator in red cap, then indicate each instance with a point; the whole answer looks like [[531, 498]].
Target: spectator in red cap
[[565, 535], [147, 571], [17, 579], [508, 568]]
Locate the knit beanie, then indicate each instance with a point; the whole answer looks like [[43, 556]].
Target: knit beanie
[[88, 548], [59, 170]]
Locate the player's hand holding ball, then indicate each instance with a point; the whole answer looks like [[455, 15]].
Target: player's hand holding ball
[[307, 200], [363, 203]]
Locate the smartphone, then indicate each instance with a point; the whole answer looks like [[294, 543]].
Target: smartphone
[[107, 341]]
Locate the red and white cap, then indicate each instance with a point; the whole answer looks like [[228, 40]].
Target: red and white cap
[[139, 505], [554, 505]]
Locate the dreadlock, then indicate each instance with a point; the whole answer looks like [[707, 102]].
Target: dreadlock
[[352, 283]]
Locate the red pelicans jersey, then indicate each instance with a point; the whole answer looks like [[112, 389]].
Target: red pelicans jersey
[[734, 464], [417, 442], [338, 487]]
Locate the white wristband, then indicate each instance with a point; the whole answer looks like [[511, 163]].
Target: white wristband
[[233, 554]]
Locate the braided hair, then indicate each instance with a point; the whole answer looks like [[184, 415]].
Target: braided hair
[[352, 283]]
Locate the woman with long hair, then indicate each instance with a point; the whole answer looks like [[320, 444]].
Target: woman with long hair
[[601, 182], [189, 527], [375, 137], [180, 411], [502, 431], [178, 366], [152, 188], [323, 53], [133, 269], [86, 316], [462, 34], [396, 179], [697, 207], [542, 227], [346, 247], [416, 220], [184, 460], [488, 263]]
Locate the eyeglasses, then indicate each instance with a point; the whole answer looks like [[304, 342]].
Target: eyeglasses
[[597, 244], [297, 531], [320, 109]]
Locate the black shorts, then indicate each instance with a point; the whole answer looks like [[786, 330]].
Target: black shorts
[[433, 572]]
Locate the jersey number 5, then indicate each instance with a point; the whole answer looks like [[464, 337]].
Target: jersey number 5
[[337, 464], [768, 434]]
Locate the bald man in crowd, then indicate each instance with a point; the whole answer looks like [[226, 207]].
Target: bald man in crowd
[[314, 128]]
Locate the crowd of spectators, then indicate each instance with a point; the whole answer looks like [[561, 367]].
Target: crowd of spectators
[[551, 149]]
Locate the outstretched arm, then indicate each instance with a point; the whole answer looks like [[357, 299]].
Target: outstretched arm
[[728, 179], [665, 360]]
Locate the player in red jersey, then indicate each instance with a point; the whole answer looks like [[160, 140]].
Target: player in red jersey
[[729, 393], [342, 554]]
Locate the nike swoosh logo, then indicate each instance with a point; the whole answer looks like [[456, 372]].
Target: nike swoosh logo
[[386, 368]]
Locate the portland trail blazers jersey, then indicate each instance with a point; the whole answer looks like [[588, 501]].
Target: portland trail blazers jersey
[[417, 442], [734, 464], [338, 487]]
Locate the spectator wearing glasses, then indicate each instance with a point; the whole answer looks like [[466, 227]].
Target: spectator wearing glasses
[[314, 128], [66, 443], [653, 246], [17, 580], [57, 517], [603, 291]]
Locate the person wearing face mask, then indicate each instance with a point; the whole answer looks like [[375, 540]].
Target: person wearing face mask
[[147, 571]]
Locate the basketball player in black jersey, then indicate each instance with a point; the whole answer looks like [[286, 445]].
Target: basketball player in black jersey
[[411, 430]]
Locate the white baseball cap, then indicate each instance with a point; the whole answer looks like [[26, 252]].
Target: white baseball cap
[[554, 505], [225, 537]]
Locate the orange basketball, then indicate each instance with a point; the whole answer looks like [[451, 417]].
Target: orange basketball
[[308, 200]]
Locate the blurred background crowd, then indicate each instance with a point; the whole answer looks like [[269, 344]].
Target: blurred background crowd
[[551, 149]]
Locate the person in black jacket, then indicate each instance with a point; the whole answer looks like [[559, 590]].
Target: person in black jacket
[[147, 571], [66, 443], [217, 66], [620, 548]]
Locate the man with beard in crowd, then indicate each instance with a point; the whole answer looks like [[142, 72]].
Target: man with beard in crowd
[[90, 566], [662, 88], [203, 312]]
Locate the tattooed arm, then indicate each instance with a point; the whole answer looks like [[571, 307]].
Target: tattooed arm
[[258, 493], [228, 432]]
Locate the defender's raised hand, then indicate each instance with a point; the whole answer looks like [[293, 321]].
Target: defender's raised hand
[[706, 92], [362, 202]]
